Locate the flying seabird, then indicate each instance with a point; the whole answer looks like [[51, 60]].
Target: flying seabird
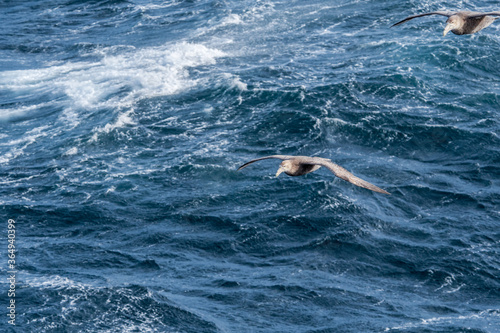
[[300, 165], [461, 23]]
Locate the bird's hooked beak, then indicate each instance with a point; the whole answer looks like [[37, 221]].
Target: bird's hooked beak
[[448, 28], [280, 170]]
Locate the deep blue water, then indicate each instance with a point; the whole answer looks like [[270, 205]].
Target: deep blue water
[[122, 124]]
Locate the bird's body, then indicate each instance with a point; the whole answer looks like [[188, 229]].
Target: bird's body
[[299, 169], [301, 165], [461, 23]]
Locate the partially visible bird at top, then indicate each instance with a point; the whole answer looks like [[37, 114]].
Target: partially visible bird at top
[[301, 165], [461, 23]]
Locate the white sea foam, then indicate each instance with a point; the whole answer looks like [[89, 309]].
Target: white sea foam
[[232, 19], [19, 145], [20, 111], [444, 320], [70, 303], [111, 189], [236, 82], [71, 151], [146, 7], [117, 81], [53, 282], [124, 119]]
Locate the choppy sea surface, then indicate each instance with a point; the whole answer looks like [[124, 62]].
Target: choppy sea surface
[[122, 124]]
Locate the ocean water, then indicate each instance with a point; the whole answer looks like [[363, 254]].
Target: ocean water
[[122, 124]]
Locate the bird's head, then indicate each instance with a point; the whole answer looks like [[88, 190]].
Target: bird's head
[[285, 166], [454, 22]]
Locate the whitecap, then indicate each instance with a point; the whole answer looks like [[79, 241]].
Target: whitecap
[[118, 80], [467, 319], [232, 19], [54, 282], [235, 82], [19, 145], [123, 119], [71, 151]]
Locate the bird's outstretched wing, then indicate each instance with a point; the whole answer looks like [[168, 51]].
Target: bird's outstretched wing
[[280, 157], [346, 175], [336, 169], [447, 14], [485, 14]]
